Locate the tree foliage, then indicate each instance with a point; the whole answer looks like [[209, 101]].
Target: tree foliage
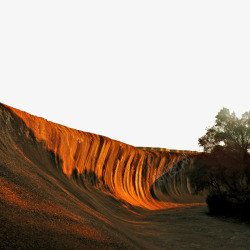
[[223, 170], [229, 131]]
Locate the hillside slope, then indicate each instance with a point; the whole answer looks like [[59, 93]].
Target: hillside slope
[[61, 187]]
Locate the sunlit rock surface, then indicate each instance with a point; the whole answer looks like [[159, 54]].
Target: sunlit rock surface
[[126, 172], [83, 183]]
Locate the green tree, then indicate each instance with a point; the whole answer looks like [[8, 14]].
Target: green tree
[[229, 131], [223, 170]]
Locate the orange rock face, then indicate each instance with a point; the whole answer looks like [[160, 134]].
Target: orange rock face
[[144, 177]]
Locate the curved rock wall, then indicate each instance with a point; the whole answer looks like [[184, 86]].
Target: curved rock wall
[[145, 177]]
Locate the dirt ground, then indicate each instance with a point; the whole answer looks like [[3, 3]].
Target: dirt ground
[[192, 228], [181, 228]]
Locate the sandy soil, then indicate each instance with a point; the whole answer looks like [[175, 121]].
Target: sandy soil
[[192, 228]]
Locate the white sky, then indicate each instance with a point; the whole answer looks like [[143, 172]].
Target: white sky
[[148, 73]]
